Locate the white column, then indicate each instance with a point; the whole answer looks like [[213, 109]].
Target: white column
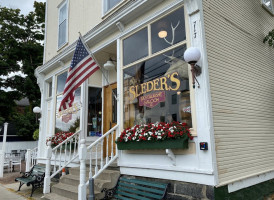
[[47, 172], [82, 189], [1, 164], [5, 137], [28, 160]]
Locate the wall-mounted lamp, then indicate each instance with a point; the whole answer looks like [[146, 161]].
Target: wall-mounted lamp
[[37, 110], [162, 34], [109, 65], [191, 56]]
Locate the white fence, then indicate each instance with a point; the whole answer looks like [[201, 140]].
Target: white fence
[[19, 145]]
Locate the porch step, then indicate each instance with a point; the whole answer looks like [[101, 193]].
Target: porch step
[[67, 188]]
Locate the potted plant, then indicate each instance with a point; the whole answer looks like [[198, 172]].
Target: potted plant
[[174, 135]]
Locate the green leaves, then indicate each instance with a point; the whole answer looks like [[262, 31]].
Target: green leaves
[[269, 38]]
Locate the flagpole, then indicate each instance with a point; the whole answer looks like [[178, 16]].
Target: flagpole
[[87, 48]]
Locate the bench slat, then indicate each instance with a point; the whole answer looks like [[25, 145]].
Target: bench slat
[[138, 192], [161, 192], [159, 185], [131, 195]]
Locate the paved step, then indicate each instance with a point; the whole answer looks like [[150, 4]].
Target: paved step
[[68, 191]]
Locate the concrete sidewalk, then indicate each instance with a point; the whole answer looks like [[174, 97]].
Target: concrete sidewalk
[[9, 191], [7, 194]]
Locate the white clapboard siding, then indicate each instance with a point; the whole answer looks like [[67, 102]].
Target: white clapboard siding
[[241, 73]]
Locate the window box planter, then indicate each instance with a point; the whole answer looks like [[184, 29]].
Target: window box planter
[[174, 135], [181, 143]]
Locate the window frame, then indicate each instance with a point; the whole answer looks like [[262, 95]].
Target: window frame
[[106, 12], [186, 42], [271, 11], [61, 5]]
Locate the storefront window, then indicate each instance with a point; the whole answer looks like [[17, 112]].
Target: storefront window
[[157, 90], [67, 120], [94, 111], [135, 47], [168, 31]]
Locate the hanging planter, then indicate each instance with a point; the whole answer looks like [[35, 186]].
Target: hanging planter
[[172, 135]]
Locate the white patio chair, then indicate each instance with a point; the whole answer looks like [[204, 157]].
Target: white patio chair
[[15, 160], [7, 163]]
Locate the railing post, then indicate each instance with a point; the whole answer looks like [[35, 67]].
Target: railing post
[[28, 160], [47, 172], [82, 189]]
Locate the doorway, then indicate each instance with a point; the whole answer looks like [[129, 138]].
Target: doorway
[[110, 114]]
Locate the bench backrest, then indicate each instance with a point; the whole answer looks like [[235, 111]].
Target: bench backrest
[[38, 170], [140, 189]]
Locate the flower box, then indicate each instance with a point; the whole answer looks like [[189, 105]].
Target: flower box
[[174, 135], [181, 143]]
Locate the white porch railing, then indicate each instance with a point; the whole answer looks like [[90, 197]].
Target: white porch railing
[[96, 163], [31, 158], [60, 157]]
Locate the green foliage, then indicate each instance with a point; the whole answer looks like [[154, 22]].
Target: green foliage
[[270, 38], [36, 134], [25, 123], [75, 125], [21, 48]]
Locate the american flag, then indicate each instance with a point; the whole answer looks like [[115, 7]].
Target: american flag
[[82, 66]]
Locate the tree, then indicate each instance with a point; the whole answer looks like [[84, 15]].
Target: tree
[[270, 38], [21, 39]]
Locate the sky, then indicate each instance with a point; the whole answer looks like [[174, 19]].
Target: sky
[[24, 5]]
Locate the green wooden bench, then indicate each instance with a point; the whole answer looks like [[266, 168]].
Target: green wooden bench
[[35, 178], [136, 189]]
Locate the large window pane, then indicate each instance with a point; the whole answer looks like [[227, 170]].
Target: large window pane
[[135, 47], [157, 90], [68, 120], [61, 81], [168, 30], [94, 111], [62, 35]]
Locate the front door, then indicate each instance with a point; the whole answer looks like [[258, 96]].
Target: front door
[[110, 114]]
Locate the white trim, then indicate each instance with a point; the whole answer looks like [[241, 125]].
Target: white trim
[[232, 187], [45, 33], [205, 179]]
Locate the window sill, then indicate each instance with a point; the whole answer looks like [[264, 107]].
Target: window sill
[[62, 47], [114, 9]]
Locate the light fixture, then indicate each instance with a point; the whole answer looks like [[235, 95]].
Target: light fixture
[[37, 110], [162, 34], [109, 65], [191, 56]]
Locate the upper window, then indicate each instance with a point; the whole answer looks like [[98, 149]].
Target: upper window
[[108, 4], [269, 5], [62, 24]]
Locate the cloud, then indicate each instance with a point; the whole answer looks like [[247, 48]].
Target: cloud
[[25, 6]]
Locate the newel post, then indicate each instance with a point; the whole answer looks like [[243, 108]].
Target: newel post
[[47, 172], [82, 189], [28, 160]]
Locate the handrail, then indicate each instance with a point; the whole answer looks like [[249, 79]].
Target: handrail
[[102, 137], [60, 157], [106, 161], [65, 140]]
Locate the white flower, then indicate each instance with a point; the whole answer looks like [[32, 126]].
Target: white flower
[[150, 133], [149, 138], [159, 137], [134, 138]]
